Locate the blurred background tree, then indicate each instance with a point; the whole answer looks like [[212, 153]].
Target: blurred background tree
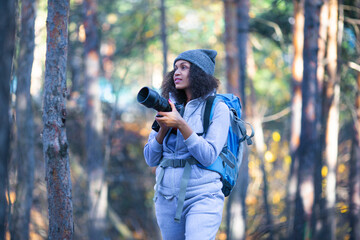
[[115, 47]]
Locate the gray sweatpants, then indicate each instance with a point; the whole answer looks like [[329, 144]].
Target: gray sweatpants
[[200, 219]]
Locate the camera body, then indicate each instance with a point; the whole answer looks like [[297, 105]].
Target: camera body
[[151, 99]]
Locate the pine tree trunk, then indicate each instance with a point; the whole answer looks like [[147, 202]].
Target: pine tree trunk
[[235, 222], [236, 37], [231, 48], [309, 149], [354, 178], [332, 98], [164, 35], [242, 39], [243, 32], [97, 192], [55, 144], [296, 104], [319, 201], [25, 126], [7, 40]]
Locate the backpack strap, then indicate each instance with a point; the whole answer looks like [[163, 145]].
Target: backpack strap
[[238, 126], [207, 112], [175, 163]]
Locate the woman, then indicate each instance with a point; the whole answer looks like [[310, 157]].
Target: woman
[[179, 145]]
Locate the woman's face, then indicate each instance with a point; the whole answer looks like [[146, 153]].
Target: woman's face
[[181, 74]]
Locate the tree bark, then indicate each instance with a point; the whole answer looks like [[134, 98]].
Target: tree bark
[[319, 201], [331, 117], [7, 45], [296, 104], [97, 186], [236, 37], [55, 144], [309, 149], [231, 47], [235, 222], [354, 178], [164, 35], [242, 39], [25, 126]]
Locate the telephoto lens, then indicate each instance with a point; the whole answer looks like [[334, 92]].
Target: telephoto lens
[[151, 99]]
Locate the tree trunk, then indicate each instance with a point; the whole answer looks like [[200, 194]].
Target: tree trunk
[[94, 126], [354, 178], [319, 201], [231, 48], [309, 149], [164, 35], [7, 45], [331, 110], [25, 126], [242, 39], [235, 221], [296, 104], [55, 144], [236, 36]]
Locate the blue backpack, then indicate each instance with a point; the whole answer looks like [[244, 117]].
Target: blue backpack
[[228, 162]]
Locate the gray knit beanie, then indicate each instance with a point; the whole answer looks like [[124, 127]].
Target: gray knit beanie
[[203, 58]]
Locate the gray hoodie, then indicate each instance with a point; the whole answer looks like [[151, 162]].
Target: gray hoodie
[[205, 149]]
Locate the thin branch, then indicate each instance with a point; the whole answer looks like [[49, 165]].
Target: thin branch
[[352, 20], [119, 225], [277, 116], [354, 66], [351, 8], [275, 26]]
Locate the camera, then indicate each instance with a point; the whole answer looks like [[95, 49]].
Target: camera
[[151, 99]]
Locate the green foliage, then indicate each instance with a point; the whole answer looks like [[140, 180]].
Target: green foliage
[[272, 79], [272, 19]]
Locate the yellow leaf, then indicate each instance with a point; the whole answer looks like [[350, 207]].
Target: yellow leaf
[[287, 159], [251, 164], [269, 157], [324, 171], [341, 168], [344, 209], [276, 136], [276, 198]]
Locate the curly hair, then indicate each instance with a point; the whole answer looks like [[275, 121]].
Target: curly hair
[[201, 84]]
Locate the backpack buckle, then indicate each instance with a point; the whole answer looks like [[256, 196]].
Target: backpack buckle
[[178, 163]]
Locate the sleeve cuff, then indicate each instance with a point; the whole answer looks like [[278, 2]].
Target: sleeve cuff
[[157, 147], [191, 140]]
